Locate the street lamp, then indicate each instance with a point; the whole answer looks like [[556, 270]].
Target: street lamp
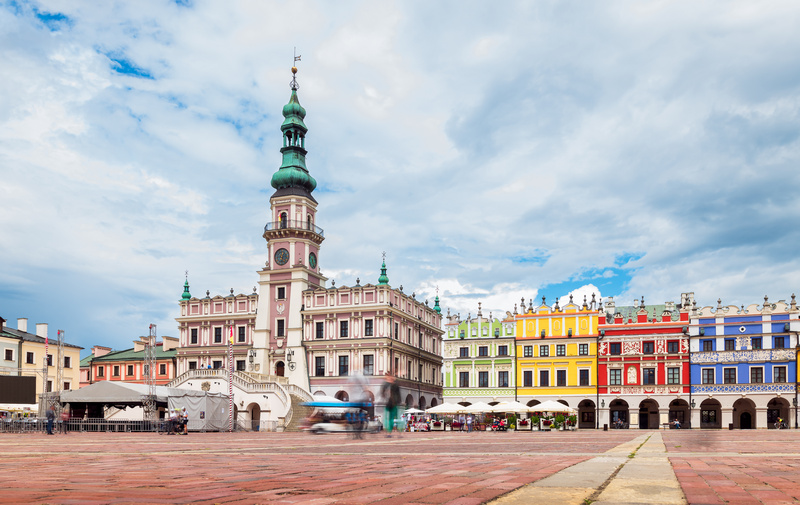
[[693, 403], [602, 403]]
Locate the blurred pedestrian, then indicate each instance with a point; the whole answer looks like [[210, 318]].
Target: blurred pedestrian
[[51, 417], [64, 421], [469, 423], [391, 392]]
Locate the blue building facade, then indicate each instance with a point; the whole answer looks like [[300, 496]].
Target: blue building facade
[[744, 365]]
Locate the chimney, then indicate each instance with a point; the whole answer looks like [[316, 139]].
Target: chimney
[[99, 350], [2, 323], [41, 329], [22, 324], [169, 343], [138, 345]]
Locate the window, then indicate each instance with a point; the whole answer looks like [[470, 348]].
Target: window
[[583, 377], [527, 351], [368, 327], [194, 336], [281, 329], [502, 379], [561, 378], [544, 378], [344, 362], [49, 386], [193, 365], [673, 375], [756, 375], [672, 347], [779, 343], [779, 374], [730, 344], [408, 369], [116, 371], [708, 416], [615, 377], [583, 349], [544, 350], [242, 337], [561, 350], [162, 369], [648, 376], [729, 376], [130, 371], [281, 293], [502, 350], [217, 335], [240, 366], [463, 379], [320, 330], [396, 330], [67, 362], [343, 328], [708, 345], [527, 379], [483, 351], [9, 354], [369, 364], [217, 364], [615, 348], [463, 352], [67, 385], [319, 366], [756, 342], [708, 376], [483, 379], [409, 336], [49, 360], [648, 348], [29, 359]]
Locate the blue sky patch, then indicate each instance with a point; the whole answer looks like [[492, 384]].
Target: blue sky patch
[[124, 66], [54, 21], [623, 259]]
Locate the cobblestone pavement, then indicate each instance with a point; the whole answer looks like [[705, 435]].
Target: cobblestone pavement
[[713, 467], [736, 467], [439, 467]]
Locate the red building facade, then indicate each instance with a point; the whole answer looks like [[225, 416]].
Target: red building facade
[[643, 365]]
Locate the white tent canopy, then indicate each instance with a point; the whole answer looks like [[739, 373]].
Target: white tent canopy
[[446, 408], [412, 410], [510, 406], [552, 406], [123, 393], [478, 408]]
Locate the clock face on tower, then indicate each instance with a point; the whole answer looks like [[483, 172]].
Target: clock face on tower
[[312, 260], [281, 256]]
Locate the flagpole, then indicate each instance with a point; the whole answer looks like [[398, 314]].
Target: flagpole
[[230, 382]]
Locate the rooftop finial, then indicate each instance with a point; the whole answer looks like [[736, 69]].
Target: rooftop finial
[[294, 84]]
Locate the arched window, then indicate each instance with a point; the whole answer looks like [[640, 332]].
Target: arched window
[[283, 220], [310, 225]]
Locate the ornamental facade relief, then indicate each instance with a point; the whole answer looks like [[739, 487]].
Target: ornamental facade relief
[[742, 356]]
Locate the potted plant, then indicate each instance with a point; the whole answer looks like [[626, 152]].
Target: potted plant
[[573, 421], [559, 422], [535, 422]]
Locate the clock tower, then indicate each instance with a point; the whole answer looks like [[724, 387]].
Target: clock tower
[[293, 241]]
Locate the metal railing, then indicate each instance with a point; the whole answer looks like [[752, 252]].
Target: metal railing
[[294, 225], [97, 425]]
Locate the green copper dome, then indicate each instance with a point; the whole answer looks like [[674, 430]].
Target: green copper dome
[[186, 294], [383, 280], [436, 306], [293, 172]]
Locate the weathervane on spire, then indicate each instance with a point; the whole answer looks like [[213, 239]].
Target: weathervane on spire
[[187, 275], [294, 84], [384, 255]]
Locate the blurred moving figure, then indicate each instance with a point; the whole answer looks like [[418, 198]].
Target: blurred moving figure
[[391, 392]]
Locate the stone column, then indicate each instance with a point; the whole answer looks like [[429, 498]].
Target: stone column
[[695, 416], [663, 416], [633, 418], [726, 415], [761, 418]]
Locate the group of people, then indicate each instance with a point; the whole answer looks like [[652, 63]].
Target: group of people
[[50, 415], [178, 422]]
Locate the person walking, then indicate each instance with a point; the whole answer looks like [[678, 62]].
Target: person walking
[[51, 417], [391, 392], [469, 423], [185, 421]]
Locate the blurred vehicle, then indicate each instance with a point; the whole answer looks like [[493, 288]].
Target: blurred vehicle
[[339, 417]]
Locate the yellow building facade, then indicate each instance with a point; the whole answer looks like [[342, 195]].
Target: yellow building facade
[[557, 356]]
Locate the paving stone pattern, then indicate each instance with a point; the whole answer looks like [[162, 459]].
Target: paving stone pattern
[[712, 467], [455, 468]]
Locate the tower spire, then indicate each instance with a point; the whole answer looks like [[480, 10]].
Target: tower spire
[[383, 280], [186, 295], [292, 177]]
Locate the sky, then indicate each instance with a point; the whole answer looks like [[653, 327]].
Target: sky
[[493, 150]]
